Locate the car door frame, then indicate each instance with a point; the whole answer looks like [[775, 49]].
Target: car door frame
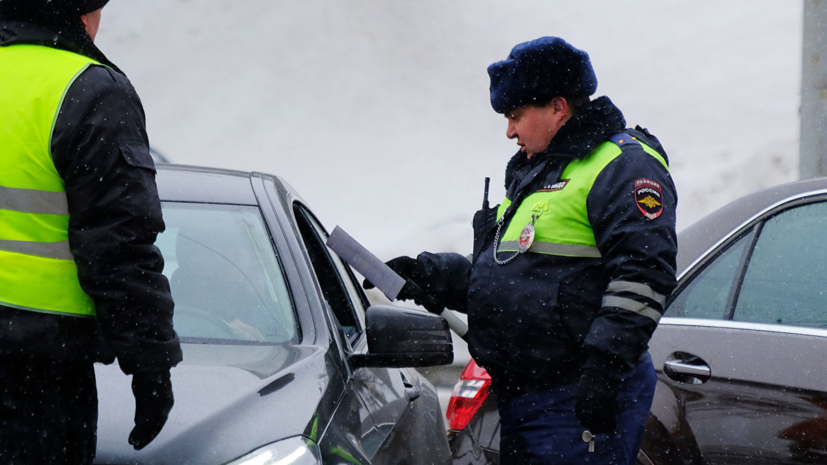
[[386, 391], [282, 199], [339, 404]]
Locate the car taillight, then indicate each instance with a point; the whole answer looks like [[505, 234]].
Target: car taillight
[[469, 393]]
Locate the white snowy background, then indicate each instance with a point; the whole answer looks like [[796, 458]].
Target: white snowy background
[[378, 111]]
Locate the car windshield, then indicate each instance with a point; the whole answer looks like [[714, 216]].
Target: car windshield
[[226, 280]]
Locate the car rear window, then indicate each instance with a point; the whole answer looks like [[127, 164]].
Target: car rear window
[[225, 276]]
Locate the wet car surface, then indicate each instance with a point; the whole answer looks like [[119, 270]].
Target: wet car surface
[[278, 339], [739, 352]]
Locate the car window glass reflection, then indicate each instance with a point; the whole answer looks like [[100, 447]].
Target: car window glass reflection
[[786, 279], [708, 295], [225, 277]]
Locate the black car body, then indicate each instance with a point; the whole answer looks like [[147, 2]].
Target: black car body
[[275, 332], [740, 351]]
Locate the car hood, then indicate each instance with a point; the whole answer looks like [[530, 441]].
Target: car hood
[[229, 400]]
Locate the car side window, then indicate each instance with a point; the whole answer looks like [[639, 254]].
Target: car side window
[[786, 278], [357, 298], [334, 287], [709, 293]]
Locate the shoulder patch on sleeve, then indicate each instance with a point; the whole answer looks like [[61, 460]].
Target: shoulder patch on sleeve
[[649, 197]]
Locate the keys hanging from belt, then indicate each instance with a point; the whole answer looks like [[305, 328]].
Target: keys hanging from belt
[[589, 437]]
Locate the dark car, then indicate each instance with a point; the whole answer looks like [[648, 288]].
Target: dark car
[[740, 353], [284, 360]]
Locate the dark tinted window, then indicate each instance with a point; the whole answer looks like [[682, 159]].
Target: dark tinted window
[[786, 279], [708, 294], [332, 275], [226, 279]]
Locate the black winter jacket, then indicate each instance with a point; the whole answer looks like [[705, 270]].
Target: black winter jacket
[[101, 150], [537, 321]]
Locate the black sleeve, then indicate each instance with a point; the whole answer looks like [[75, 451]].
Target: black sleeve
[[632, 212], [447, 278], [101, 150]]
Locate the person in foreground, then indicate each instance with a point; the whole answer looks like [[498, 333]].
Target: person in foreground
[[80, 276], [570, 273]]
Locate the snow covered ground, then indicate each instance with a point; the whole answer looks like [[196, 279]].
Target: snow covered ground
[[378, 112]]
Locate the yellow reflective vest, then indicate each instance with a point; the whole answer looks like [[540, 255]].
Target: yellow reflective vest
[[37, 269], [558, 211]]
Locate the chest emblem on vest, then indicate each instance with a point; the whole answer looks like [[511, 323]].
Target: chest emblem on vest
[[649, 198], [559, 185], [526, 238]]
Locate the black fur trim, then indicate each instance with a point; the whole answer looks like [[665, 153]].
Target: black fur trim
[[591, 126]]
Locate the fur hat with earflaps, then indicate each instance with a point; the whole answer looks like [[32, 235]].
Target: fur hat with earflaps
[[539, 70], [57, 15]]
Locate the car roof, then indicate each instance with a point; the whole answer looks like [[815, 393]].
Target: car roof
[[185, 183], [707, 233], [198, 184]]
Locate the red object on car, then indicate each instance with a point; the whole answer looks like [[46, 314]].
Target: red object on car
[[469, 393]]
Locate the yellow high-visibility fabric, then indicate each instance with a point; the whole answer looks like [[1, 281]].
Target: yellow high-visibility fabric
[[562, 217], [33, 84]]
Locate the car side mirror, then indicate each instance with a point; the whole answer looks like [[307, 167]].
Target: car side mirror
[[403, 337]]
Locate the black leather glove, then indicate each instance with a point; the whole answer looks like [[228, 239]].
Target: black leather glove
[[406, 267], [412, 269], [153, 401], [427, 282], [596, 402]]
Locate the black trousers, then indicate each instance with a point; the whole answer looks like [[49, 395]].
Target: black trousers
[[48, 412]]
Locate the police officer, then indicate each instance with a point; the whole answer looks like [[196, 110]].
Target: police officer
[[80, 277], [571, 271]]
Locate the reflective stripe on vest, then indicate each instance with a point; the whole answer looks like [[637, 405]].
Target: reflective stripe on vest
[[562, 225], [37, 269], [568, 250], [33, 201]]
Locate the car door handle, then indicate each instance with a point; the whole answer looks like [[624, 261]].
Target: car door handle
[[411, 391], [676, 366]]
